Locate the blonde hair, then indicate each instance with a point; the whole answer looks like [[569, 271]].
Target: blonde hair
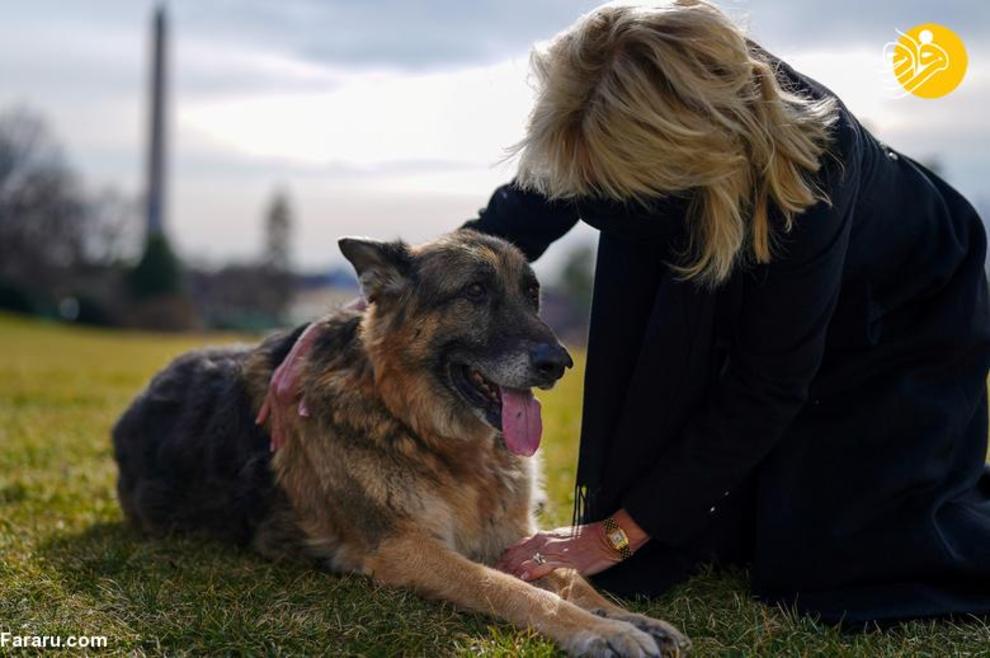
[[636, 102]]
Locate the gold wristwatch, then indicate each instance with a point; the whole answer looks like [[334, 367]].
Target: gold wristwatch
[[616, 537]]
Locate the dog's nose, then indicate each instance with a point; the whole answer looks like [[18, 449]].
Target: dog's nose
[[550, 360]]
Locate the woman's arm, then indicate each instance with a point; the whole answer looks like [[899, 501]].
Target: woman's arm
[[583, 548], [526, 219], [776, 349]]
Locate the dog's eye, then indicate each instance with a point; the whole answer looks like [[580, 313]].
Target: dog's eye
[[476, 292]]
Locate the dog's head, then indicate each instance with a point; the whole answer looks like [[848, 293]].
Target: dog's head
[[455, 337]]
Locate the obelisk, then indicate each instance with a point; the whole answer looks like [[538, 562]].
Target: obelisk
[[156, 146]]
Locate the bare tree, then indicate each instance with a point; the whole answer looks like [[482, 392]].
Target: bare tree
[[273, 293], [278, 233], [58, 245], [42, 207], [113, 224]]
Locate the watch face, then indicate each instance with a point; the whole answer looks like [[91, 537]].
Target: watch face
[[617, 538]]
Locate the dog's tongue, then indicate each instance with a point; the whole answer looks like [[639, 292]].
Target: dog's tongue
[[522, 425]]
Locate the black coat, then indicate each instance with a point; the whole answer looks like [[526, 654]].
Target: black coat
[[822, 419]]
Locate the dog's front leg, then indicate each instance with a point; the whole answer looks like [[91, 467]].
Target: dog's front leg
[[572, 587], [427, 565]]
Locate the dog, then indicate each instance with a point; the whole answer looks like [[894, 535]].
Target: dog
[[413, 466]]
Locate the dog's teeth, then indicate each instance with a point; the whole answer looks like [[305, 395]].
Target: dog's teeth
[[485, 387]]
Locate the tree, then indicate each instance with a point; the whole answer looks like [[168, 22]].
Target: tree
[[61, 247], [273, 295], [577, 277], [158, 273], [113, 224], [278, 233], [42, 207]]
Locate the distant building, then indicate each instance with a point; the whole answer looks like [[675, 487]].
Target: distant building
[[315, 295]]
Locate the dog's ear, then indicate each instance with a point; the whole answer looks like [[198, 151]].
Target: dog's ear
[[383, 268]]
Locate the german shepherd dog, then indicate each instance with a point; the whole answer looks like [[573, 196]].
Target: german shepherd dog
[[413, 465]]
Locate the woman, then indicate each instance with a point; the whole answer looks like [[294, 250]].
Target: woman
[[789, 338]]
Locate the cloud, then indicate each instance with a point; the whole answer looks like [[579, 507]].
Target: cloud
[[444, 34], [396, 34], [838, 24], [387, 116], [470, 114]]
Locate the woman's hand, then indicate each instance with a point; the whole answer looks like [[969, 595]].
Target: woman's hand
[[283, 397], [582, 548]]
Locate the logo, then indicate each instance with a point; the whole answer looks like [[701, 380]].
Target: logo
[[928, 61]]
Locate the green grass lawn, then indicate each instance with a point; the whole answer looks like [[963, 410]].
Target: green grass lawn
[[69, 566]]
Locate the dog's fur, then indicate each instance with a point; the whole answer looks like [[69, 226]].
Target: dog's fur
[[397, 473]]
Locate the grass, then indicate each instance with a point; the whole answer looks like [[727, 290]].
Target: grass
[[69, 566]]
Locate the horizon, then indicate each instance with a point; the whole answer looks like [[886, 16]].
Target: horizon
[[390, 121]]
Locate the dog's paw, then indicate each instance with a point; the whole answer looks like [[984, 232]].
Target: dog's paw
[[672, 643], [613, 639]]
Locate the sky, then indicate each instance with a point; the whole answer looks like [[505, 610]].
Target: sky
[[392, 118]]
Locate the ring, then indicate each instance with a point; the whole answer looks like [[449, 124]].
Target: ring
[[539, 559]]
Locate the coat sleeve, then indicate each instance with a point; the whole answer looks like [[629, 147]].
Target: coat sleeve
[[775, 350], [527, 219]]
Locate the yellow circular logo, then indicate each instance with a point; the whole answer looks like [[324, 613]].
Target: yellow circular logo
[[929, 60]]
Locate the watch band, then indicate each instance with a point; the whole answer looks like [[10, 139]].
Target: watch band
[[616, 537]]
